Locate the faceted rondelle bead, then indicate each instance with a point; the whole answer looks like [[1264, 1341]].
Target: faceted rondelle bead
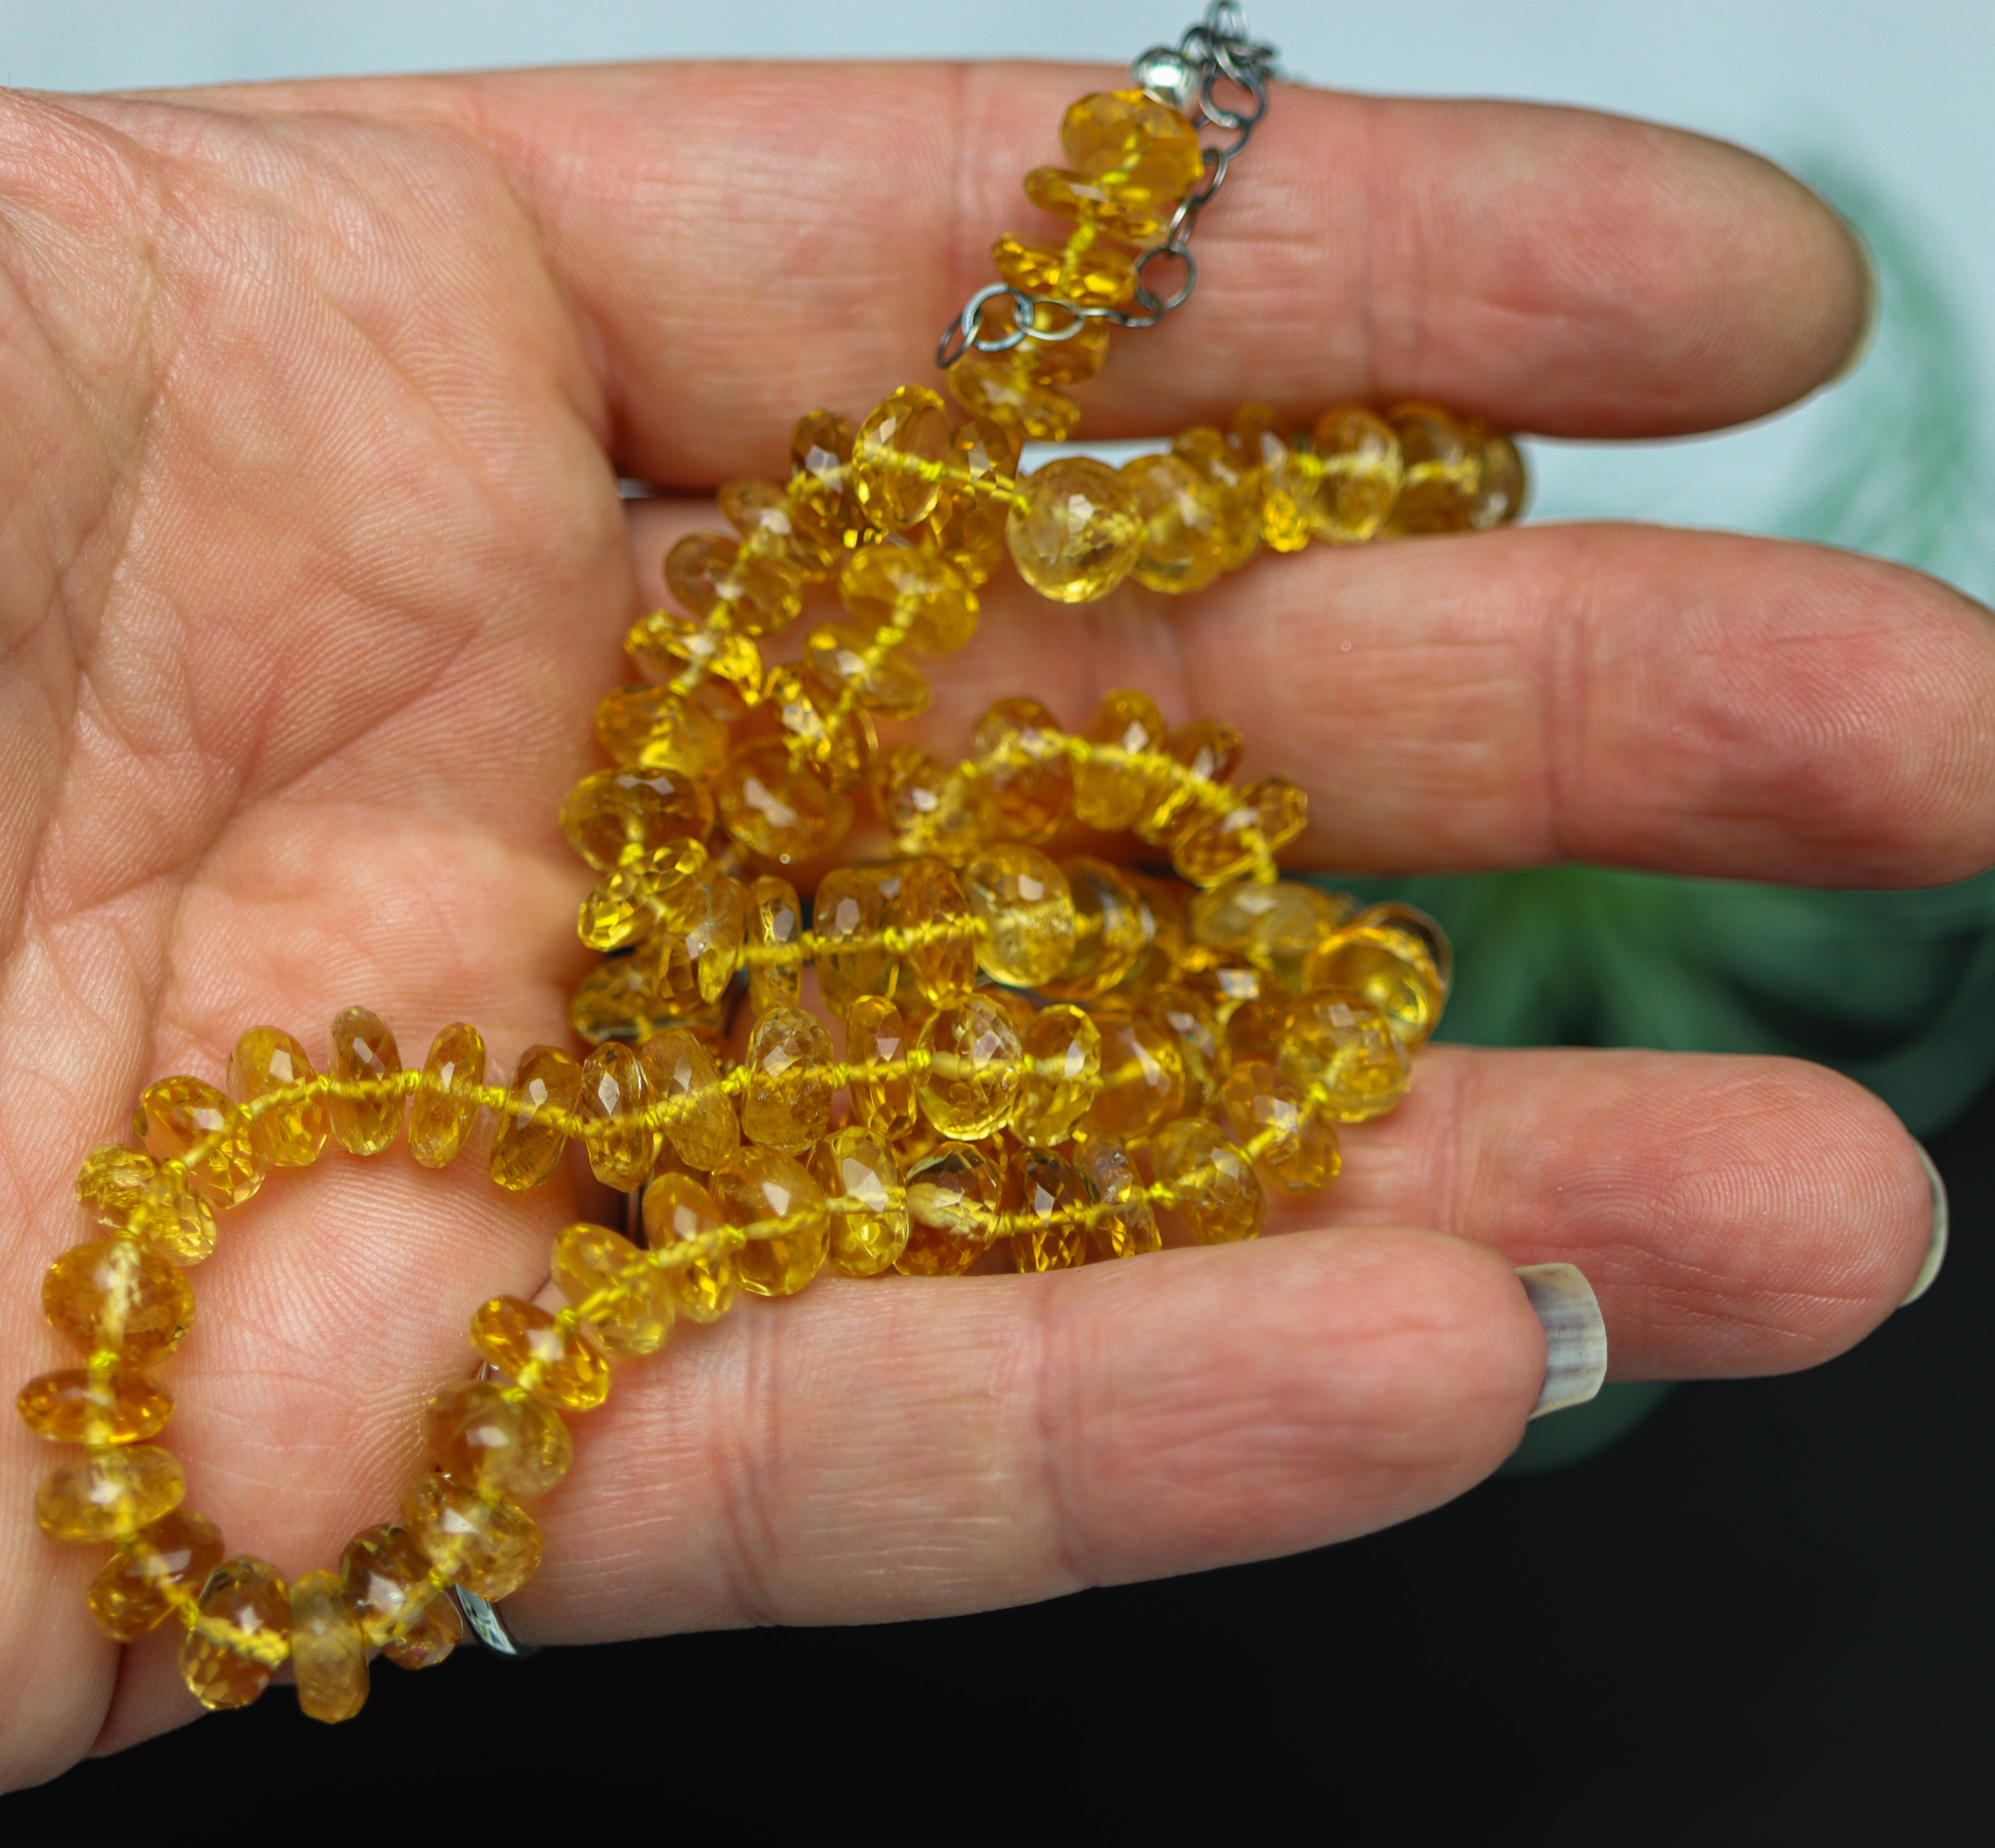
[[1361, 476], [848, 916], [402, 1610], [1341, 1051], [1142, 155], [1020, 898], [178, 1115], [78, 1406], [653, 728], [678, 1210], [114, 1181], [1087, 274], [1443, 463], [1112, 796], [1109, 932], [855, 1166], [534, 1126], [954, 1194], [1297, 1145], [758, 1187], [1214, 1184], [634, 1316], [776, 808], [1023, 767], [971, 1066], [685, 1087], [110, 1494], [1391, 968], [968, 524], [1276, 925], [363, 1051], [241, 1636], [788, 1102], [897, 457], [1053, 1192], [1142, 1077], [620, 1144], [119, 1296], [861, 669], [1236, 486], [266, 1059], [526, 1343], [1077, 531], [490, 1548], [931, 810], [496, 1442], [876, 1034], [1061, 1050], [612, 810], [721, 582], [1188, 1018], [1208, 750], [446, 1100], [1004, 389], [1182, 549], [1130, 1229], [931, 908], [328, 1652], [161, 1564], [775, 928], [1231, 841], [710, 915]]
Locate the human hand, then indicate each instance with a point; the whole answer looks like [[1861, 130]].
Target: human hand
[[313, 569]]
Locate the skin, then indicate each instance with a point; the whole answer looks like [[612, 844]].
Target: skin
[[312, 567]]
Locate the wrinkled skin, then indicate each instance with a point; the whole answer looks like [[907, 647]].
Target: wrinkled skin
[[312, 567]]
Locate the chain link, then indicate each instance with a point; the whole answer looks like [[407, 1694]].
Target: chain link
[[1187, 77]]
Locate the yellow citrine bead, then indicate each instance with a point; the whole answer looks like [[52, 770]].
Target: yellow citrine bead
[[1056, 350], [541, 1352], [820, 727], [1256, 823], [930, 810], [695, 1112], [757, 1189], [1061, 1048], [1020, 899], [967, 526], [430, 1638], [242, 1635], [1109, 933], [490, 1548], [776, 809], [328, 1652], [364, 1052], [710, 916], [712, 579], [855, 668], [1161, 902], [540, 1109], [760, 512], [267, 1059], [653, 728], [114, 1181], [1022, 762], [1277, 924], [1140, 155], [1129, 1229], [403, 1611], [923, 595], [820, 458], [1212, 1184], [1236, 483], [866, 1202], [111, 1494], [954, 1194], [849, 917], [178, 1116], [1444, 466], [1274, 1123], [1391, 968], [1292, 486], [1188, 1018], [930, 909], [1004, 389], [1393, 915], [1254, 1029], [627, 1301], [1183, 548], [127, 1189], [447, 1100], [621, 1144], [1112, 796], [1142, 1077], [1502, 485], [119, 1296], [1207, 749], [1361, 476], [159, 1567], [787, 1105], [678, 1210], [1085, 273], [1076, 532], [1341, 1051], [1051, 1192], [897, 459], [79, 1405], [613, 817], [723, 668], [877, 1037], [773, 945], [968, 1069], [496, 1442]]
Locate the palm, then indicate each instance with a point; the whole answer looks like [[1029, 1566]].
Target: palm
[[316, 568]]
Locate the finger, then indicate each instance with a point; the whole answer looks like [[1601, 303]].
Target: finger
[[1554, 269], [1690, 702]]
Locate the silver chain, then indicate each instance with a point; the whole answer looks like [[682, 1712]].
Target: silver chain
[[1186, 76]]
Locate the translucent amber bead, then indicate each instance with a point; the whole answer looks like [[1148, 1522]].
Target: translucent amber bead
[[1061, 1050], [727, 667], [910, 588], [954, 1194], [402, 1610], [620, 1145], [1182, 547], [1077, 532], [77, 1406], [1276, 925], [1340, 1050], [1188, 1018], [1051, 1192], [1020, 899], [111, 1494], [1444, 470], [534, 1126], [931, 810], [1130, 1228], [876, 1036], [114, 1180], [1208, 750], [1273, 1121], [1390, 968], [970, 1070], [897, 459], [678, 1210], [967, 526], [709, 914], [626, 904], [931, 908], [685, 1084], [857, 1171], [1142, 1077], [1143, 154], [773, 949], [1213, 1185], [616, 815], [1502, 484], [178, 1115], [1393, 915], [777, 808], [758, 1188], [1083, 273], [496, 1442], [119, 1296], [265, 1060], [1224, 845], [1112, 796], [711, 578], [853, 666], [1022, 762], [363, 1051], [822, 728], [849, 915], [328, 1652], [1004, 389], [633, 997], [533, 1347], [160, 1566], [629, 1303], [1255, 1029], [490, 1548], [788, 1102], [242, 1635], [653, 728], [1358, 453], [127, 1189], [760, 512], [1108, 930], [1163, 904], [1236, 485]]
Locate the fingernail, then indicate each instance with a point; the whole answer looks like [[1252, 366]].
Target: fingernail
[[1936, 1249], [1866, 334], [1575, 1334]]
